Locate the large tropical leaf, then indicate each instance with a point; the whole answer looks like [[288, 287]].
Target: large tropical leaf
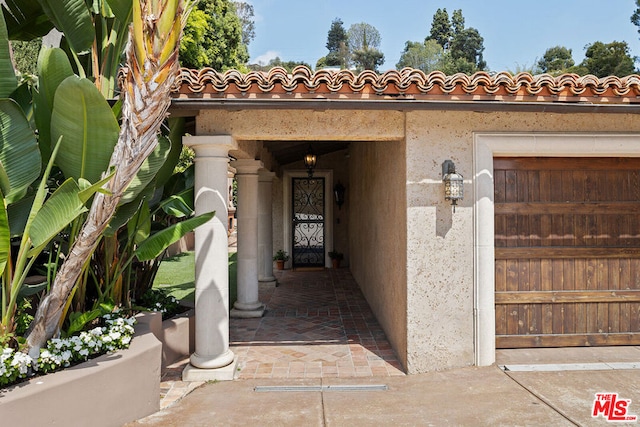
[[122, 9], [179, 205], [148, 171], [87, 190], [8, 81], [73, 18], [139, 227], [125, 212], [25, 19], [176, 130], [90, 130], [154, 246], [58, 211], [23, 97], [53, 68], [19, 154], [18, 213], [5, 236]]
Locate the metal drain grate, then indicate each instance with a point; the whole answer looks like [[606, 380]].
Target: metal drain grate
[[322, 388], [557, 367]]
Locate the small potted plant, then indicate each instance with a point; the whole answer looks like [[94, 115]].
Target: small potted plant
[[280, 258], [336, 257]]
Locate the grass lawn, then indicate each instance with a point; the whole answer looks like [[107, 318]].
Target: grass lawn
[[177, 276]]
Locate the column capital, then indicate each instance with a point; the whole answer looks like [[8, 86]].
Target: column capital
[[265, 175], [247, 166], [211, 145]]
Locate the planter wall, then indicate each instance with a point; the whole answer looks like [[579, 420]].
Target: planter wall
[[178, 337], [109, 390]]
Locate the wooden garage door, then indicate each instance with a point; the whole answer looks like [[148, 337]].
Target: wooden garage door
[[567, 244]]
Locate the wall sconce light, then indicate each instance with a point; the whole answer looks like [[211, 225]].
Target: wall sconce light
[[338, 192], [310, 160], [453, 183]]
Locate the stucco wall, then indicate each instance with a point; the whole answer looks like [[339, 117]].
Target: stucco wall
[[440, 274], [300, 125], [377, 237], [411, 255]]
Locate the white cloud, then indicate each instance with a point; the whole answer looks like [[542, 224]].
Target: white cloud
[[266, 57]]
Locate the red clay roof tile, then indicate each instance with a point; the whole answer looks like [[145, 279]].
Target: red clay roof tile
[[409, 83]]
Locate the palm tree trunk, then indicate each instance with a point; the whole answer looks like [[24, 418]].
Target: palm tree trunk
[[152, 62]]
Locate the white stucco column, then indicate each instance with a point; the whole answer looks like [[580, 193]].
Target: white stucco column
[[212, 358], [247, 304], [265, 227]]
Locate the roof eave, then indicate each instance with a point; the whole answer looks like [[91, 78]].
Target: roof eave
[[180, 105]]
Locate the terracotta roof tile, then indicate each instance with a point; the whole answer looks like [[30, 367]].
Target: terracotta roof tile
[[408, 83]]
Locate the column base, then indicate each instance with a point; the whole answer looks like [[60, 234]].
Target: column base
[[225, 373], [241, 313], [267, 281]]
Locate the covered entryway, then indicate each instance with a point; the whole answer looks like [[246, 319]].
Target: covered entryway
[[567, 251]]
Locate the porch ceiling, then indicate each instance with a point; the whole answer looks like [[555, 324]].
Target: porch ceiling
[[286, 152]]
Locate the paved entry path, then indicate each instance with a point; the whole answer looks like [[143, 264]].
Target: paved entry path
[[317, 325]]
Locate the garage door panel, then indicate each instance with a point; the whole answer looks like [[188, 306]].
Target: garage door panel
[[567, 245]]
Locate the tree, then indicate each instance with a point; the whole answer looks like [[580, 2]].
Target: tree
[[364, 43], [612, 59], [277, 62], [635, 18], [337, 44], [245, 12], [463, 46], [428, 56], [441, 30], [368, 59], [457, 22], [213, 37], [25, 55], [466, 50], [556, 60]]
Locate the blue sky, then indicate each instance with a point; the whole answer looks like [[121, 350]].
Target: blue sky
[[516, 32]]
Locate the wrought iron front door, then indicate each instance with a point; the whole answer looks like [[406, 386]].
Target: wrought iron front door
[[308, 222]]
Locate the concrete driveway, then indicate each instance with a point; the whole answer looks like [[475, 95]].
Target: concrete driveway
[[467, 397]]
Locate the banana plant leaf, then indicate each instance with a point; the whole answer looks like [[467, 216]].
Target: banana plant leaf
[[56, 213], [18, 213], [90, 130], [139, 227], [73, 18], [26, 19], [148, 171], [179, 205], [8, 80], [127, 211], [53, 68], [19, 154], [155, 245], [122, 9], [5, 236], [23, 97], [176, 130]]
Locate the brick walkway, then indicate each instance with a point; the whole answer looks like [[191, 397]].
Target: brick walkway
[[317, 325]]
